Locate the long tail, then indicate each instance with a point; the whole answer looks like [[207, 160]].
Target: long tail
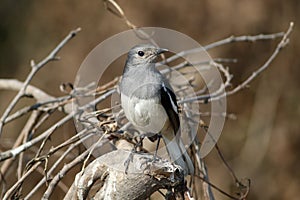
[[177, 152]]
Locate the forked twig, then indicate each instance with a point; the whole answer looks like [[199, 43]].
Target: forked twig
[[34, 69]]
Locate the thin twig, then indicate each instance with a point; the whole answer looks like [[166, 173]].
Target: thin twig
[[25, 130], [34, 69], [12, 189], [16, 151], [118, 11], [91, 151], [231, 39], [15, 85], [217, 188], [29, 124], [280, 46], [63, 172], [216, 96], [55, 165]]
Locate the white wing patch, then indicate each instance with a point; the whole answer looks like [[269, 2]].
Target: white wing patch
[[170, 98]]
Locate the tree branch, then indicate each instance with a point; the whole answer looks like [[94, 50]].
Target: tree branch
[[34, 69], [142, 179]]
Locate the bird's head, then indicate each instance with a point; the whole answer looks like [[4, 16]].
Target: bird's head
[[144, 54]]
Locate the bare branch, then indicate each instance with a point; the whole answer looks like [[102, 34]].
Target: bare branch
[[13, 84], [21, 137], [16, 151], [63, 172], [231, 39], [11, 190], [284, 41], [216, 96], [55, 165], [34, 69]]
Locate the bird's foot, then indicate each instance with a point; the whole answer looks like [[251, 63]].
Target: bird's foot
[[129, 160], [133, 151], [148, 161]]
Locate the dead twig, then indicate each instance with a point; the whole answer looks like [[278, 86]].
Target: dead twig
[[34, 69]]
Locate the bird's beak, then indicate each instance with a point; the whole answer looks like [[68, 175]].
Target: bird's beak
[[160, 51]]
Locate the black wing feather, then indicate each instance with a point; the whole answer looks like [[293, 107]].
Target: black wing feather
[[169, 102]]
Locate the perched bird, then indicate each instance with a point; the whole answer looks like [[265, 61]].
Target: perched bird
[[149, 102]]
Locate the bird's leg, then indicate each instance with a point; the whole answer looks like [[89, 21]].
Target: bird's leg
[[133, 150], [128, 160], [148, 160], [157, 146], [152, 138]]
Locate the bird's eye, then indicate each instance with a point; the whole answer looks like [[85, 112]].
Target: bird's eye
[[141, 53]]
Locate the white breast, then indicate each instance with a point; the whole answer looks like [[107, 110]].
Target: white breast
[[146, 115]]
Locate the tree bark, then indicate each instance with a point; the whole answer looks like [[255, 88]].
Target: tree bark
[[142, 179]]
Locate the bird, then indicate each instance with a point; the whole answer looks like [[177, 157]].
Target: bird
[[150, 104]]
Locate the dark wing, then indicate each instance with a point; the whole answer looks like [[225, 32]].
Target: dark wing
[[168, 100]]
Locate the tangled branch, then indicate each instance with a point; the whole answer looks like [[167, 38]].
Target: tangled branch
[[115, 134]]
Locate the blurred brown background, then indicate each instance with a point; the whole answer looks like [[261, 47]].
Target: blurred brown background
[[263, 144]]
